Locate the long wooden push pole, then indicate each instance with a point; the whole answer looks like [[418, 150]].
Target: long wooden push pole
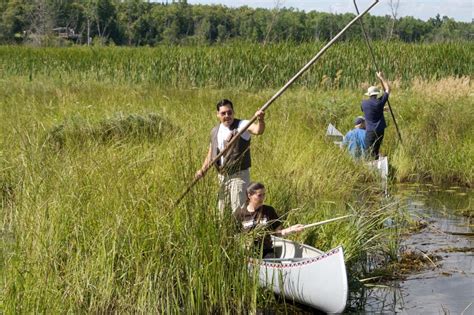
[[273, 98], [377, 69], [326, 221]]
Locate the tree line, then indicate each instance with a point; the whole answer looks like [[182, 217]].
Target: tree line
[[140, 23]]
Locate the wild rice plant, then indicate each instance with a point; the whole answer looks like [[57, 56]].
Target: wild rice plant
[[241, 65]]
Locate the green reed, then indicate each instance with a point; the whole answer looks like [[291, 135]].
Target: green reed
[[89, 225], [238, 64]]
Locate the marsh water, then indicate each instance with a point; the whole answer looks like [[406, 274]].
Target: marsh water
[[445, 285]]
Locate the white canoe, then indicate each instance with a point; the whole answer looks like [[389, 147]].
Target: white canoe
[[306, 275]]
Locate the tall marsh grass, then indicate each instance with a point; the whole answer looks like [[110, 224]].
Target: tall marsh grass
[[438, 133], [242, 65], [92, 227]]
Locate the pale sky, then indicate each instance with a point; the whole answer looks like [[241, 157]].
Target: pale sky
[[460, 10]]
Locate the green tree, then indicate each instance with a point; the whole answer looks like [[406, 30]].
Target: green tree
[[16, 19], [410, 29], [133, 19], [141, 22], [106, 21], [203, 30]]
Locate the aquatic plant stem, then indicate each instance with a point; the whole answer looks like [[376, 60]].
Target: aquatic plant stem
[[326, 221]]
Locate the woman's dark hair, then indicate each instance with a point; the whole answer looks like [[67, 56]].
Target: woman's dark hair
[[224, 102], [253, 187]]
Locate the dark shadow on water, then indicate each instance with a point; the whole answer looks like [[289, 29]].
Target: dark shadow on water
[[289, 307]]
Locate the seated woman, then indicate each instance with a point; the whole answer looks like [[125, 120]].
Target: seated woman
[[255, 215]]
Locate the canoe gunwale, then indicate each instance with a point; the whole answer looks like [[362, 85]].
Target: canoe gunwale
[[304, 262]]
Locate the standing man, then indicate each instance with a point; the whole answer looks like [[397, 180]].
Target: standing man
[[373, 109], [233, 166]]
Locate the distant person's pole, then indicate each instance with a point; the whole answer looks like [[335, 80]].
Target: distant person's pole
[[377, 69]]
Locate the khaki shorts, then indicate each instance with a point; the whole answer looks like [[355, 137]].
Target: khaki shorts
[[233, 190]]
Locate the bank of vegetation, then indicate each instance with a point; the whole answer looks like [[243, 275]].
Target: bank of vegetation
[[92, 162], [240, 65]]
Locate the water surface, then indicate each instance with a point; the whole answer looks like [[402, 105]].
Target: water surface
[[446, 286]]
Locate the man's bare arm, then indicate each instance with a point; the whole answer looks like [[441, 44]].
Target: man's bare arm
[[258, 127], [205, 164], [386, 86]]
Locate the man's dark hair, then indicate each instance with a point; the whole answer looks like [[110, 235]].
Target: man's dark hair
[[224, 102], [253, 187]]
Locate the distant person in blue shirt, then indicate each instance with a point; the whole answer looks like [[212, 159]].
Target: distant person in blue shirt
[[373, 109], [355, 139]]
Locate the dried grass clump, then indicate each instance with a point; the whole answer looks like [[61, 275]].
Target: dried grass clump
[[412, 260], [7, 193], [443, 89], [151, 127]]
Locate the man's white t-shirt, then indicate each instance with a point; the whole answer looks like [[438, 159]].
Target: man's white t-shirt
[[224, 132]]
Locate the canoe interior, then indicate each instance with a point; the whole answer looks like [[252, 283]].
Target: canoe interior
[[288, 250]]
